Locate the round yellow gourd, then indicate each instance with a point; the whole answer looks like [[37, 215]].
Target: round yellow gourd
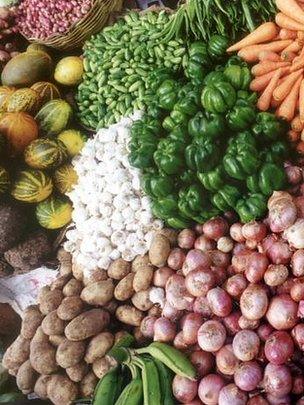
[[32, 186], [26, 100], [69, 71], [74, 141], [65, 177], [54, 212]]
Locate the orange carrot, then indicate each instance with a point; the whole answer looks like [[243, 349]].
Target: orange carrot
[[300, 36], [301, 101], [268, 55], [288, 56], [286, 33], [261, 82], [264, 33], [296, 124], [264, 101], [251, 53], [295, 47], [298, 62], [267, 66], [282, 91], [291, 9], [286, 22], [294, 136], [288, 107], [275, 104]]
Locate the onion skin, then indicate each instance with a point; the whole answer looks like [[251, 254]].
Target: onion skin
[[231, 394], [219, 302], [276, 275], [177, 295], [257, 400], [164, 330], [211, 336], [204, 244], [202, 361], [236, 232], [171, 313], [256, 266], [297, 263], [297, 290], [264, 331], [198, 282], [184, 390], [295, 234], [161, 276], [176, 259], [248, 375], [236, 285], [209, 389], [215, 228], [226, 362], [282, 214], [277, 380], [255, 231], [282, 312], [231, 323], [246, 344], [179, 342], [298, 335], [196, 259], [254, 302], [186, 239], [201, 306], [147, 326], [279, 347], [191, 324]]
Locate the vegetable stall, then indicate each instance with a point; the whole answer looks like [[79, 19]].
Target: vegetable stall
[[154, 159]]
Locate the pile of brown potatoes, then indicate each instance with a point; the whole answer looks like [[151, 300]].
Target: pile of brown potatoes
[[61, 351]]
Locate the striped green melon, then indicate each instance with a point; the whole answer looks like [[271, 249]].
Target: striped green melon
[[54, 212], [54, 116], [44, 153], [74, 141], [32, 186], [65, 177], [4, 180]]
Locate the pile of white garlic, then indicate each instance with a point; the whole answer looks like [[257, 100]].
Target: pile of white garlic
[[111, 216]]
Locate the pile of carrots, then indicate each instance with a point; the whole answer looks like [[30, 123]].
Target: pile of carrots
[[278, 49]]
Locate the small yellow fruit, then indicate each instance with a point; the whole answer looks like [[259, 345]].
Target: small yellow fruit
[[74, 141], [69, 71]]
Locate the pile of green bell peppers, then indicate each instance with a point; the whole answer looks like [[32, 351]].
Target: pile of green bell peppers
[[210, 150]]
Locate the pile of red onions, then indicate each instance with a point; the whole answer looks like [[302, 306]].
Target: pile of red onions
[[235, 304], [41, 19], [8, 29]]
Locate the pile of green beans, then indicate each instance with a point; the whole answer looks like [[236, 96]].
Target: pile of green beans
[[117, 62]]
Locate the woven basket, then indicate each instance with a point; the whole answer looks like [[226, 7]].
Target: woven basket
[[93, 22]]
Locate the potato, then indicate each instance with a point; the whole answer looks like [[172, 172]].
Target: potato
[[40, 337], [139, 262], [111, 306], [31, 320], [139, 337], [61, 390], [159, 250], [99, 293], [52, 324], [77, 373], [70, 308], [96, 275], [60, 282], [143, 278], [72, 287], [119, 269], [17, 353], [88, 324], [98, 346], [124, 289], [119, 335], [88, 384], [26, 377], [40, 387], [43, 358], [129, 315], [56, 340], [65, 259], [70, 353], [155, 311], [103, 365], [77, 271], [170, 234], [142, 301], [49, 300], [13, 372]]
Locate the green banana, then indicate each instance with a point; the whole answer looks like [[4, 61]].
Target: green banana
[[150, 379], [165, 380], [133, 392], [108, 388], [171, 357]]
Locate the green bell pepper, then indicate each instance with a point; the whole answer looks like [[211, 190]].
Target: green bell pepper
[[242, 116], [168, 94], [268, 127], [277, 152], [239, 76], [248, 96], [252, 207], [167, 210], [202, 155], [188, 177], [216, 76], [191, 201], [180, 134], [226, 198], [217, 46], [218, 97], [207, 125], [189, 90], [198, 62], [188, 105], [236, 60], [158, 76], [158, 185], [143, 157], [271, 177], [169, 156], [174, 120], [213, 180]]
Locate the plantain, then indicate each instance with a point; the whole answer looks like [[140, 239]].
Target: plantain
[[150, 379], [171, 357], [133, 392], [165, 380], [108, 388]]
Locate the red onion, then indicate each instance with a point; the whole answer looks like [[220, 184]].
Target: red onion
[[176, 259], [225, 244], [274, 400], [255, 231], [295, 234], [211, 336], [219, 302], [204, 244], [282, 211], [179, 342], [240, 261], [239, 248], [177, 294], [300, 312], [299, 202], [220, 274], [285, 287], [202, 361], [294, 174], [248, 376], [279, 347], [275, 275], [186, 239], [218, 258], [245, 323], [282, 312], [201, 306], [236, 232], [264, 331], [164, 330], [277, 380], [246, 345], [297, 263], [279, 252], [199, 282], [298, 335], [297, 290], [236, 285], [147, 326], [171, 313], [191, 324], [254, 302], [231, 394], [209, 389], [231, 322], [184, 390], [215, 228], [298, 385], [194, 259], [257, 400], [161, 276], [226, 362], [256, 266]]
